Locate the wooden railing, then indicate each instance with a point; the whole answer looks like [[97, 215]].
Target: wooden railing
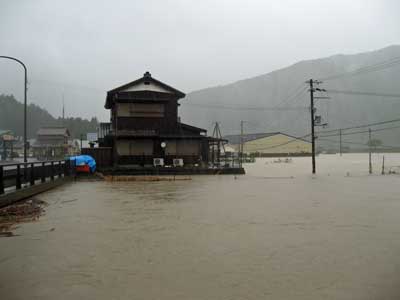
[[15, 175], [103, 130]]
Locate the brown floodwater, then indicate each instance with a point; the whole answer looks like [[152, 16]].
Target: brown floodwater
[[275, 233]]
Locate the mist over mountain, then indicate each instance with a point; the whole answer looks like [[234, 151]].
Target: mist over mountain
[[254, 100], [250, 99]]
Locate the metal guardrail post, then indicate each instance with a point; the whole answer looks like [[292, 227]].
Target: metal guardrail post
[[59, 169], [1, 180], [18, 178], [66, 168], [52, 171], [43, 175], [32, 176]]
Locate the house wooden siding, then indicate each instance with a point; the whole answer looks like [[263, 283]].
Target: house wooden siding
[[123, 119], [52, 142], [144, 114]]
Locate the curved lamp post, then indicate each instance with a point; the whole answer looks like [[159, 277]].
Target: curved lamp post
[[25, 91]]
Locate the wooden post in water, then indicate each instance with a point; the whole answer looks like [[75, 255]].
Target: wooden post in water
[[383, 165]]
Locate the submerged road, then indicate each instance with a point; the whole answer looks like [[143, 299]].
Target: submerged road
[[276, 233]]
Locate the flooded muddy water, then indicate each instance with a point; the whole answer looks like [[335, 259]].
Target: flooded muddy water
[[276, 233]]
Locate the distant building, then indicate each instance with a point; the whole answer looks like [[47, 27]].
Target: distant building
[[52, 143], [145, 128], [270, 144], [6, 144]]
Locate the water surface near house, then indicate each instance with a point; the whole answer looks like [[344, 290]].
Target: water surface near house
[[276, 233]]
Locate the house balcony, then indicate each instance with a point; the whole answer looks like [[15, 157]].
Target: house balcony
[[104, 130]]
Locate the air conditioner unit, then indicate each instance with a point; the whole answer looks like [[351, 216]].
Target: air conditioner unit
[[178, 162], [158, 162]]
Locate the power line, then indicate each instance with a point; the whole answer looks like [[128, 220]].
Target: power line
[[295, 95], [364, 131], [257, 108], [367, 69], [304, 136], [364, 93], [361, 126], [359, 144], [295, 139]]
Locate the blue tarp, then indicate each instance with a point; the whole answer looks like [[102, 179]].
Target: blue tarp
[[84, 160]]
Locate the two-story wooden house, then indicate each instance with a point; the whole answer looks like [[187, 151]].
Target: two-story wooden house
[[52, 143], [145, 126]]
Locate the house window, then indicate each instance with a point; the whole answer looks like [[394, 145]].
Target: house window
[[141, 110]]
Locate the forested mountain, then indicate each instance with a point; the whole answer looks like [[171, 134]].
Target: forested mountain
[[251, 99], [12, 118]]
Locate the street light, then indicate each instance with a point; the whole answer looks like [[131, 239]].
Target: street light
[[25, 91]]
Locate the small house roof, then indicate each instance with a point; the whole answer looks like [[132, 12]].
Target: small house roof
[[53, 131], [236, 138], [191, 128], [5, 131], [145, 83]]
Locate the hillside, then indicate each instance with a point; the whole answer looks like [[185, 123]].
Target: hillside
[[12, 117], [272, 89]]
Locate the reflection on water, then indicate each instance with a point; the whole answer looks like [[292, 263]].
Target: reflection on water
[[275, 233]]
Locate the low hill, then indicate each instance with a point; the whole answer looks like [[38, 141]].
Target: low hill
[[12, 117]]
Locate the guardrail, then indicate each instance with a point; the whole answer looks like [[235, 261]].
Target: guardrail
[[18, 175]]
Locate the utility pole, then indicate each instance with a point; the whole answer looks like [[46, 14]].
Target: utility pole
[[340, 142], [369, 144], [241, 144], [312, 124]]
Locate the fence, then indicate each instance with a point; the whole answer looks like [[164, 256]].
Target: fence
[[102, 156], [18, 174]]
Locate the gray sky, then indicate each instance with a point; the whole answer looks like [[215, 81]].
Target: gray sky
[[83, 48]]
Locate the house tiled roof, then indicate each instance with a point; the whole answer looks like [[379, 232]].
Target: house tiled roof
[[53, 131], [146, 78]]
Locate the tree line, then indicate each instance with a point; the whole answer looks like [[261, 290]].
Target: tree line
[[12, 118]]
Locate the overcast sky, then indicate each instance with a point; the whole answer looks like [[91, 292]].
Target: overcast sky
[[83, 48]]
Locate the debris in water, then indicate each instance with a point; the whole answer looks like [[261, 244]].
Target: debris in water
[[145, 178], [19, 212], [67, 201]]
